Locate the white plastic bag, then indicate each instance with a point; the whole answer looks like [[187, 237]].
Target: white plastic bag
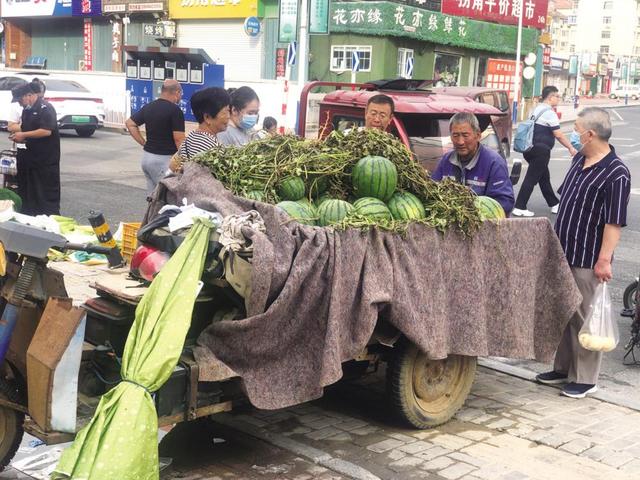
[[600, 331]]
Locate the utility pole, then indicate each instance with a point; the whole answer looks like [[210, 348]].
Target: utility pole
[[303, 50], [518, 78]]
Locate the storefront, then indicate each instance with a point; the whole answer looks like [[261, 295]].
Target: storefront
[[230, 32], [449, 49]]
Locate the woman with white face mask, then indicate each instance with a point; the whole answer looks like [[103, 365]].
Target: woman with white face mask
[[245, 110]]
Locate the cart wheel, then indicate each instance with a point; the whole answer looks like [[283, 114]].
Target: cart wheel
[[11, 423], [629, 296], [426, 393]]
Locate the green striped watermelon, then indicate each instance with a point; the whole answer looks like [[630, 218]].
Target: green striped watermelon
[[374, 177], [255, 195], [291, 188], [310, 205], [333, 211], [372, 208], [406, 206], [322, 198], [489, 208], [297, 211]]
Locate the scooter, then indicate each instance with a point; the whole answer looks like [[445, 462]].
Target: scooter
[[629, 298]]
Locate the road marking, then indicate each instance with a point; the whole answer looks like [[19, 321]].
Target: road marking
[[617, 114], [635, 191], [620, 138]]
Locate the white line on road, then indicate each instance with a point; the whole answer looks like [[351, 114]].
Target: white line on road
[[617, 114], [620, 138], [635, 191]]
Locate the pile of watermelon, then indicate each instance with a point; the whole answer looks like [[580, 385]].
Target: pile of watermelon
[[373, 185]]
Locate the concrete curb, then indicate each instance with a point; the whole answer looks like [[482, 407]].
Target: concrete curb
[[317, 456], [530, 376]]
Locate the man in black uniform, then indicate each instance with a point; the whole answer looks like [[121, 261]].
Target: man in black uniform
[[39, 162]]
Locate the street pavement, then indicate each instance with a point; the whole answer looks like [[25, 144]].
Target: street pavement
[[509, 429]]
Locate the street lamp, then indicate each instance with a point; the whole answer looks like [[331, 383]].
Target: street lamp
[[516, 83]]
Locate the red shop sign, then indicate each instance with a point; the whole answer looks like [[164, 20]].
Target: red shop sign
[[281, 62], [500, 11], [87, 38]]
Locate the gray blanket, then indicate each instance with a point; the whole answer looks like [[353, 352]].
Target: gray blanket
[[317, 294]]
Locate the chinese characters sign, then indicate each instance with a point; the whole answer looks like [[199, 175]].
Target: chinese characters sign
[[534, 12], [392, 19], [281, 62], [87, 43], [288, 21], [86, 8], [319, 16], [214, 8], [501, 74]]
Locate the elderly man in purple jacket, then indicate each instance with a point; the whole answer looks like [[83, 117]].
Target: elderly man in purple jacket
[[474, 165]]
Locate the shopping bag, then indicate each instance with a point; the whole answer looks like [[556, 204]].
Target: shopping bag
[[600, 331]]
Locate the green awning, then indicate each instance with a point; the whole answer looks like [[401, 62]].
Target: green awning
[[393, 19]]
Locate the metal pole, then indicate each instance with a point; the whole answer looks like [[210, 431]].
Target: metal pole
[[303, 49], [516, 83], [626, 95]]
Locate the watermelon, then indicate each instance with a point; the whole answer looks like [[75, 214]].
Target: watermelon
[[317, 185], [298, 212], [333, 211], [374, 177], [256, 195], [372, 208], [310, 205], [322, 198], [291, 188], [489, 208], [406, 206]]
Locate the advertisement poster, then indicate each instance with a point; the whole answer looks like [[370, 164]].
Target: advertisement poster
[[87, 43], [288, 21], [501, 74], [319, 16], [281, 62], [36, 8]]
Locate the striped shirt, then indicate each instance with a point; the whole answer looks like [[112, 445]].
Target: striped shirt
[[590, 198], [197, 142]]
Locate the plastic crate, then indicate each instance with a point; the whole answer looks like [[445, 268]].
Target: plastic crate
[[129, 239]]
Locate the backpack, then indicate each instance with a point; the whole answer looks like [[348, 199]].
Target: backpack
[[523, 139]]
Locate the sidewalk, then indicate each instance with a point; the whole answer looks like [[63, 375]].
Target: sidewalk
[[569, 114]]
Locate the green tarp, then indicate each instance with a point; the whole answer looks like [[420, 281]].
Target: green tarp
[[121, 441]]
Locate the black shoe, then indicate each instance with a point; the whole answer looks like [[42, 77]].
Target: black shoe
[[551, 378], [578, 390]]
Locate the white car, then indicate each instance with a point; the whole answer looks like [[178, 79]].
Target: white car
[[632, 91], [76, 107]]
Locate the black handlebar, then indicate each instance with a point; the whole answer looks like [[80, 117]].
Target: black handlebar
[[88, 247]]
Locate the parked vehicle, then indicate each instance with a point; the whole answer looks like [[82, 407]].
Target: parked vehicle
[[496, 98], [421, 119], [62, 398], [631, 91], [76, 107]]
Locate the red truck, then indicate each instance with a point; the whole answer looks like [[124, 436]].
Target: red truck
[[421, 119]]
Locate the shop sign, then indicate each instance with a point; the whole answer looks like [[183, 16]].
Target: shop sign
[[213, 8], [434, 5], [87, 44], [500, 11], [392, 19], [501, 73], [546, 55], [162, 29], [288, 21], [556, 64], [281, 62], [319, 16], [123, 6], [86, 8], [116, 45], [573, 65], [252, 26], [35, 8]]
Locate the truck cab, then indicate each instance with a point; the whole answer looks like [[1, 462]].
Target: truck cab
[[420, 121]]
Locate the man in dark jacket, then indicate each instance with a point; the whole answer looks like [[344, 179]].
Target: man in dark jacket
[[474, 165], [39, 158]]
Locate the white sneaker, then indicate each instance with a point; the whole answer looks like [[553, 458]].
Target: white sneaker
[[522, 213], [554, 209]]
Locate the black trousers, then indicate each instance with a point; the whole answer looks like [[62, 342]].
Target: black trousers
[[537, 174]]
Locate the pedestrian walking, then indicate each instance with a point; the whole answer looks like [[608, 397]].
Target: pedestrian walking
[[545, 132], [38, 155], [593, 209], [245, 109], [164, 122]]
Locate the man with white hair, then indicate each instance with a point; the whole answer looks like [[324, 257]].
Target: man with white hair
[[593, 209]]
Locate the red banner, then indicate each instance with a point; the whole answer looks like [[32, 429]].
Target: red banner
[[500, 11], [546, 56], [88, 44], [281, 62], [501, 74]]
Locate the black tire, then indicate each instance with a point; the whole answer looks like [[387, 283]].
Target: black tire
[[11, 423], [629, 296], [85, 132], [427, 393]]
